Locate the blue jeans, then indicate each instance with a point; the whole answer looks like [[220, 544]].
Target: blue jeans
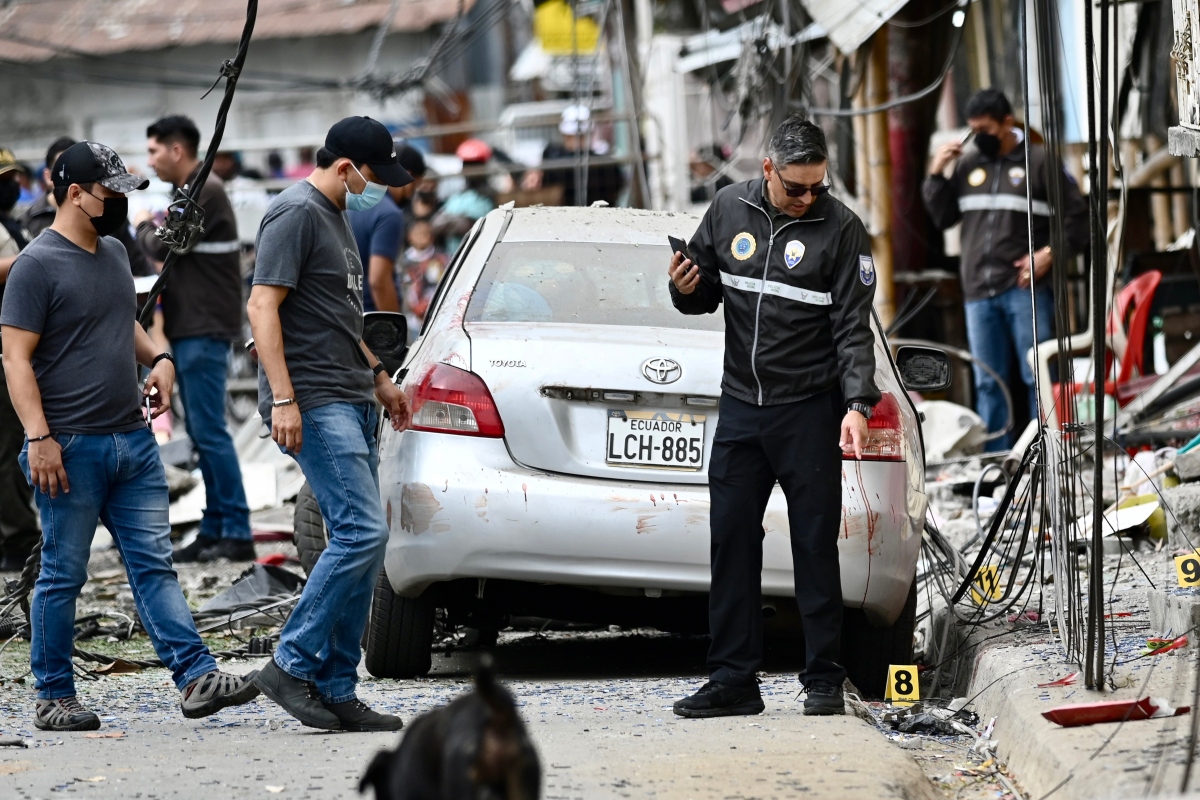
[[996, 327], [339, 457], [119, 479], [202, 364]]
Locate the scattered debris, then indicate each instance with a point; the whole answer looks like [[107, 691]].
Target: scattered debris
[[1065, 680], [119, 666], [1071, 716]]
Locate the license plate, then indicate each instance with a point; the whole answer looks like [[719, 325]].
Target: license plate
[[668, 439]]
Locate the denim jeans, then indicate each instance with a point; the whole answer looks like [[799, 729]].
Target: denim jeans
[[202, 364], [119, 479], [339, 457], [996, 327]]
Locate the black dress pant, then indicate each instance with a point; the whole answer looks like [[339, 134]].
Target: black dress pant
[[795, 444], [18, 521]]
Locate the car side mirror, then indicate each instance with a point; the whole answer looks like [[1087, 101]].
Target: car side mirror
[[923, 369], [386, 335]]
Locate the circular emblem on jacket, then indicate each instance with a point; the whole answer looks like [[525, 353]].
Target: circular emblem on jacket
[[743, 246], [977, 176], [661, 370], [1016, 175]]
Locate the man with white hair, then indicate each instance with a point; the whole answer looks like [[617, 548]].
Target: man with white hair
[[600, 181]]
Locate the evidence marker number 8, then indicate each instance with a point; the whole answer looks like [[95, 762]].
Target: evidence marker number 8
[[903, 685]]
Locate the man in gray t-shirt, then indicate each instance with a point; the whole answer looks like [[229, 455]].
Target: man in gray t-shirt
[[71, 349], [316, 383]]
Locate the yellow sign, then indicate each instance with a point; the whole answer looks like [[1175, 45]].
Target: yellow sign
[[1187, 570], [986, 586], [903, 685], [561, 33]]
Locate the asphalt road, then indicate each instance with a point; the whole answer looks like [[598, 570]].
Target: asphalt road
[[598, 706]]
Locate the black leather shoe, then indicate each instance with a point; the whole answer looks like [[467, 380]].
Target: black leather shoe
[[721, 700], [355, 715], [824, 699], [296, 697], [191, 553], [232, 549]]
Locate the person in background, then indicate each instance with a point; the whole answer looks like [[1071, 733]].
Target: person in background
[[460, 210], [318, 385], [989, 192], [202, 316], [18, 523], [71, 342], [424, 263], [274, 165], [424, 203], [40, 215], [226, 165], [704, 163], [604, 181], [379, 232], [304, 167]]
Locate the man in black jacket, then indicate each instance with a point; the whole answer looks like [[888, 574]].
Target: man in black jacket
[[202, 315], [989, 192], [793, 267]]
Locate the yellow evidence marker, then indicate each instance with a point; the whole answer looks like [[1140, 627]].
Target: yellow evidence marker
[[986, 586], [1187, 570], [903, 685]]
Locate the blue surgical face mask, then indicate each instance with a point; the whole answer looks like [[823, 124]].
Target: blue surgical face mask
[[369, 197]]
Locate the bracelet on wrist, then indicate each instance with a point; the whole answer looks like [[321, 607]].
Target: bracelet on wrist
[[162, 357], [285, 402], [41, 438]]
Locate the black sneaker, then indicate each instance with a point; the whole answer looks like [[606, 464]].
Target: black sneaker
[[215, 690], [721, 700], [296, 697], [191, 553], [63, 714], [231, 549], [824, 699], [355, 715]]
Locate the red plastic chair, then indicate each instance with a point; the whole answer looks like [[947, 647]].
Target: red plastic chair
[[1138, 293]]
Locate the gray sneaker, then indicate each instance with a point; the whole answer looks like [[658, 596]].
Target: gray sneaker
[[64, 714], [215, 690]]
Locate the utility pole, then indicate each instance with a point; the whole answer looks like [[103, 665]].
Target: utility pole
[[880, 171]]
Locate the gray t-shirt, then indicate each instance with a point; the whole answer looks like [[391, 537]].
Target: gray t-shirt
[[305, 243], [84, 307]]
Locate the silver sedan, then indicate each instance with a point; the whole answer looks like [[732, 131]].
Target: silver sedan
[[564, 414]]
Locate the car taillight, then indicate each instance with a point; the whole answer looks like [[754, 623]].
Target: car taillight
[[885, 440], [452, 400]]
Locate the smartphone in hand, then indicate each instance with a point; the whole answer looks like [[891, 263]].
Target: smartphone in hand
[[680, 246]]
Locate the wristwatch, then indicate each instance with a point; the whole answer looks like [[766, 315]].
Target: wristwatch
[[160, 357], [861, 408], [378, 368]]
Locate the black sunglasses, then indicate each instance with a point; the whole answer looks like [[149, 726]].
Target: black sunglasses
[[796, 190]]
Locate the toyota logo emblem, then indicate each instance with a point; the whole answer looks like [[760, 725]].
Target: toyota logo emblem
[[661, 370]]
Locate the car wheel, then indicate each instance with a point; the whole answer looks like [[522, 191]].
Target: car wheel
[[867, 651], [399, 640], [308, 529]]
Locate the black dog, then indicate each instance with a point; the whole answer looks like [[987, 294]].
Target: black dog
[[475, 748]]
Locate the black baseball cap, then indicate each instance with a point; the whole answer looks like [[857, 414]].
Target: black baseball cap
[[366, 141], [91, 162], [411, 159]]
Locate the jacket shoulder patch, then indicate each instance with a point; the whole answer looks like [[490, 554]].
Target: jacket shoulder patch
[[866, 270]]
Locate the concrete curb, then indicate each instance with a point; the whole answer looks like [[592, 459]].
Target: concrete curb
[[1143, 758]]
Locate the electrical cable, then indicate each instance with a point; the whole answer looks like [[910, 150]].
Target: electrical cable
[[184, 221]]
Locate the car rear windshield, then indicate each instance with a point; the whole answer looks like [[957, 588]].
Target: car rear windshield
[[583, 283]]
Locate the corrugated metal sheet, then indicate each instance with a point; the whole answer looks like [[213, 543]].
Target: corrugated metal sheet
[[37, 31], [851, 22]]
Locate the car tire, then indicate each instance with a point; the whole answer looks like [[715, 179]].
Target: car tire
[[867, 651], [399, 640], [308, 529]]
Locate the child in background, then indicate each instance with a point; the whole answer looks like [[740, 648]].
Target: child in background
[[424, 263]]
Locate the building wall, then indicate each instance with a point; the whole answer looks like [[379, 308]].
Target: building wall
[[113, 100]]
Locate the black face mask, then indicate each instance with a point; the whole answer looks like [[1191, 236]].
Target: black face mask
[[988, 144], [10, 193], [116, 211]]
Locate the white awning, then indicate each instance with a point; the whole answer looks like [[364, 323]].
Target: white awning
[[851, 22]]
